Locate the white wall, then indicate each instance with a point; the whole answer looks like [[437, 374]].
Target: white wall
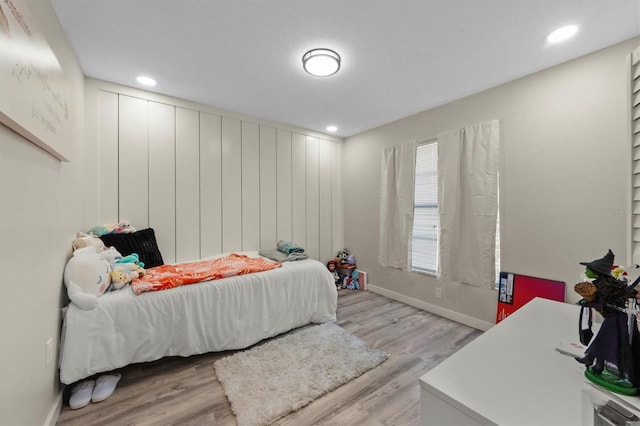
[[564, 179], [42, 204], [211, 181]]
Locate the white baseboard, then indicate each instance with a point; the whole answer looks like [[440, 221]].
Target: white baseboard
[[54, 413], [446, 313]]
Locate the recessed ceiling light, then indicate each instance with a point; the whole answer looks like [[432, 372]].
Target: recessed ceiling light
[[321, 62], [562, 34], [145, 81], [332, 128]]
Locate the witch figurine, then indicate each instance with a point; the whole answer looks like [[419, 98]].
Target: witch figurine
[[612, 357]]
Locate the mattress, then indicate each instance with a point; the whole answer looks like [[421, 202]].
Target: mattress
[[226, 314]]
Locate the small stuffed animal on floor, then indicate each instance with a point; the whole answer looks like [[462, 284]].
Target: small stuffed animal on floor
[[342, 256], [353, 282]]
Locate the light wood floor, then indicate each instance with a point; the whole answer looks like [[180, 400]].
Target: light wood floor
[[185, 391]]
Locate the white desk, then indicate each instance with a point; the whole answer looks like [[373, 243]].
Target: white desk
[[511, 375]]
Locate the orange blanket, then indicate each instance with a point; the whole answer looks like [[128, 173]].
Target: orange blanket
[[170, 276]]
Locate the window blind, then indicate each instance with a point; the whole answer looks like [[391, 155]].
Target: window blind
[[635, 154], [424, 241]]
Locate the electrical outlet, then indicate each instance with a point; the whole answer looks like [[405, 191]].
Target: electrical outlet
[[49, 350], [438, 293]]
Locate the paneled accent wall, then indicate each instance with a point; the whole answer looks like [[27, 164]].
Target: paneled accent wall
[[211, 184]]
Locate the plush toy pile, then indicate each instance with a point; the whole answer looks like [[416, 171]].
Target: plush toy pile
[[343, 269], [95, 269]]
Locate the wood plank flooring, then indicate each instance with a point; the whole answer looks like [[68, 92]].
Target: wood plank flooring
[[185, 391]]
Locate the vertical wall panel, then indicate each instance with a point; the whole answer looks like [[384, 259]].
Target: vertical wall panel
[[187, 185], [133, 156], [231, 185], [210, 185], [162, 178], [268, 192], [107, 157], [325, 196], [283, 186], [298, 190], [313, 199], [337, 212], [250, 186]]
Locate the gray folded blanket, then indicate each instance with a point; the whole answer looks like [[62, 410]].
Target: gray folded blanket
[[279, 256], [289, 247]]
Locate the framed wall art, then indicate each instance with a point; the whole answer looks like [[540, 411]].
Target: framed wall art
[[34, 91]]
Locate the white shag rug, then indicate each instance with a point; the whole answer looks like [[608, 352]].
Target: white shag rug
[[283, 375]]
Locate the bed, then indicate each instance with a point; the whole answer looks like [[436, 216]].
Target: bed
[[225, 314]]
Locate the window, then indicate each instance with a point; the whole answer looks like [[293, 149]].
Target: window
[[424, 238]]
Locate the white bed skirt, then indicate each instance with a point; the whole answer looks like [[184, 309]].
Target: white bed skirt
[[227, 314]]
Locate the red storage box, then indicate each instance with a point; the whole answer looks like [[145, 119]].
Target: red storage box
[[516, 290]]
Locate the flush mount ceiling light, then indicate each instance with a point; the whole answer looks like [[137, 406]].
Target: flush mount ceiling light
[[562, 34], [321, 62], [332, 128], [145, 81]]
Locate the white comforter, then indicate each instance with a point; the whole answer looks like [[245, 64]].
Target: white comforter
[[231, 313]]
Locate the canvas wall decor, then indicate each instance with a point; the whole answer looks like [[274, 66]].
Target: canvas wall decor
[[34, 91]]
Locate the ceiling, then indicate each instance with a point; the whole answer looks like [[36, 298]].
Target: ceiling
[[399, 57]]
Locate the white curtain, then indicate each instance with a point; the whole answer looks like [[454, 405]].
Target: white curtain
[[396, 205], [468, 203]]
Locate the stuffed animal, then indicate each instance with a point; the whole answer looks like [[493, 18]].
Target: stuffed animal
[[120, 277], [355, 280], [87, 277], [101, 230], [123, 227], [342, 256], [132, 258], [139, 270], [352, 282], [111, 255], [131, 263], [85, 240], [133, 269]]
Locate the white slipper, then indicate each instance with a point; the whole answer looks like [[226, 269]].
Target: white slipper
[[81, 394], [105, 385]]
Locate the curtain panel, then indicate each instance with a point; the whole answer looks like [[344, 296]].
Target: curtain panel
[[396, 205], [468, 161]]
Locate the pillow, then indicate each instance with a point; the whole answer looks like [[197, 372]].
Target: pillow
[[142, 242]]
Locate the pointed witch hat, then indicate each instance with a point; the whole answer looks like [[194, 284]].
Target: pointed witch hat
[[601, 266]]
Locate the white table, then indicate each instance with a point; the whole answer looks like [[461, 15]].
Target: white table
[[511, 375]]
